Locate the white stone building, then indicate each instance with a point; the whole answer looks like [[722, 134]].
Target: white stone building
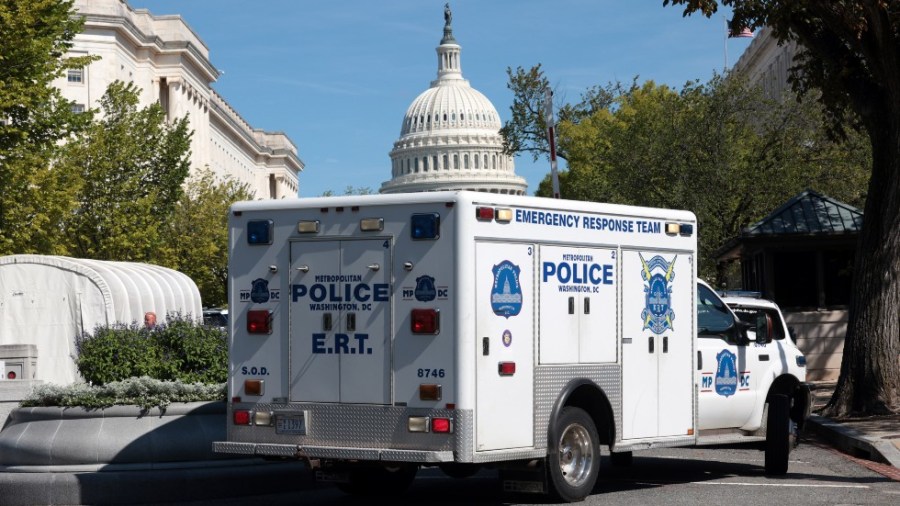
[[450, 137], [767, 63], [170, 64]]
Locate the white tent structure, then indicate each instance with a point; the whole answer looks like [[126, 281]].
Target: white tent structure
[[49, 300]]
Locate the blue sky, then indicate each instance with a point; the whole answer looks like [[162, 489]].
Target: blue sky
[[337, 76]]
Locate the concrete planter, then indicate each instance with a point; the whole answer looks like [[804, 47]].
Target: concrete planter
[[119, 435]]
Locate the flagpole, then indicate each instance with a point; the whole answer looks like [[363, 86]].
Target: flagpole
[[725, 44]]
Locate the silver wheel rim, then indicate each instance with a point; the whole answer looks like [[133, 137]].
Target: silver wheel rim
[[576, 455]]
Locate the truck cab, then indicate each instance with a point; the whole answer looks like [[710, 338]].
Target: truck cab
[[741, 366]]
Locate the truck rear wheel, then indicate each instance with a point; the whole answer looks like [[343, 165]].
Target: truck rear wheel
[[574, 459], [778, 435], [379, 481]]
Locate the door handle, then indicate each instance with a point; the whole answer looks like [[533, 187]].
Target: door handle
[[571, 305], [699, 360], [486, 346], [351, 321], [651, 344], [303, 268], [326, 321], [374, 267], [587, 305], [665, 344]]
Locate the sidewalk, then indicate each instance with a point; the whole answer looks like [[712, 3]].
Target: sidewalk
[[872, 438]]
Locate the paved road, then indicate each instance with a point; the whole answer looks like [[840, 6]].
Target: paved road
[[689, 476]]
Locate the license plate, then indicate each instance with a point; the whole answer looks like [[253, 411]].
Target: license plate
[[290, 424]]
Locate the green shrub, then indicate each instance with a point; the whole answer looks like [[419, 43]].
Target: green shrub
[[144, 392], [177, 350], [194, 353]]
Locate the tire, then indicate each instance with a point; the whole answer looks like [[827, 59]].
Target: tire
[[378, 481], [778, 435], [574, 459]]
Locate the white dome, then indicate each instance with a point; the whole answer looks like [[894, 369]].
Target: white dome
[[450, 107], [450, 137]]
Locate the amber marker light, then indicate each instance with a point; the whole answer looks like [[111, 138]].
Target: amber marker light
[[371, 224], [504, 215], [429, 392], [308, 227], [254, 387], [418, 424]]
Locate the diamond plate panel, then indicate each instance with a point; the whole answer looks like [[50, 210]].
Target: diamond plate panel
[[355, 432], [235, 448], [413, 456], [549, 382], [505, 455], [664, 443], [269, 450]]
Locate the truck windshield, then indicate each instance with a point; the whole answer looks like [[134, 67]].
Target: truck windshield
[[713, 317]]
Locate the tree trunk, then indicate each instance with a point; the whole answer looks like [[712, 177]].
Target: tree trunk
[[869, 382]]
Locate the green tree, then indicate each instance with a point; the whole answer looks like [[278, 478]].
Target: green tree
[[132, 165], [718, 149], [197, 233], [850, 57], [34, 37], [350, 190]]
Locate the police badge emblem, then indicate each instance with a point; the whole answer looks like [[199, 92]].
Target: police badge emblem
[[726, 373], [657, 274], [506, 294], [259, 291], [425, 290]]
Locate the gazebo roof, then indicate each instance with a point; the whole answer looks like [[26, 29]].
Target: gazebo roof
[[808, 213]]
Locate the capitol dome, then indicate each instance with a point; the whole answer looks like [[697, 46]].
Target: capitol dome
[[450, 136]]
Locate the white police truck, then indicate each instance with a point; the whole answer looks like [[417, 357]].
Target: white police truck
[[372, 335]]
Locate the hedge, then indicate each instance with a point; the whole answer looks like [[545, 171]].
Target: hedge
[[180, 349], [144, 392]]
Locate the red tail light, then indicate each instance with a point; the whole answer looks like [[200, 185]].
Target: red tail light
[[484, 213], [259, 321], [440, 425], [507, 368], [242, 417], [424, 321]]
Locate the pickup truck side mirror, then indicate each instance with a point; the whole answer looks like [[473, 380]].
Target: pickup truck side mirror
[[764, 329], [793, 334], [740, 336]]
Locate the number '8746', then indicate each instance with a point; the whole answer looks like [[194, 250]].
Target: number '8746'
[[431, 373]]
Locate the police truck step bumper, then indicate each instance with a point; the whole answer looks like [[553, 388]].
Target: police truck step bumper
[[335, 453]]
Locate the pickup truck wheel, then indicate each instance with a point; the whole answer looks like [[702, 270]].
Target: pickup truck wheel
[[379, 481], [574, 459], [778, 435]]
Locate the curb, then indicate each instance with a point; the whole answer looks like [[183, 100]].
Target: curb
[[201, 483], [854, 442]]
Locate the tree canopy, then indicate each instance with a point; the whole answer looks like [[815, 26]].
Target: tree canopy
[[34, 37], [197, 233], [719, 149], [131, 165], [851, 59]]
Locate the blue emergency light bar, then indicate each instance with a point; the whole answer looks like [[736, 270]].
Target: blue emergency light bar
[[259, 232], [426, 226]]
